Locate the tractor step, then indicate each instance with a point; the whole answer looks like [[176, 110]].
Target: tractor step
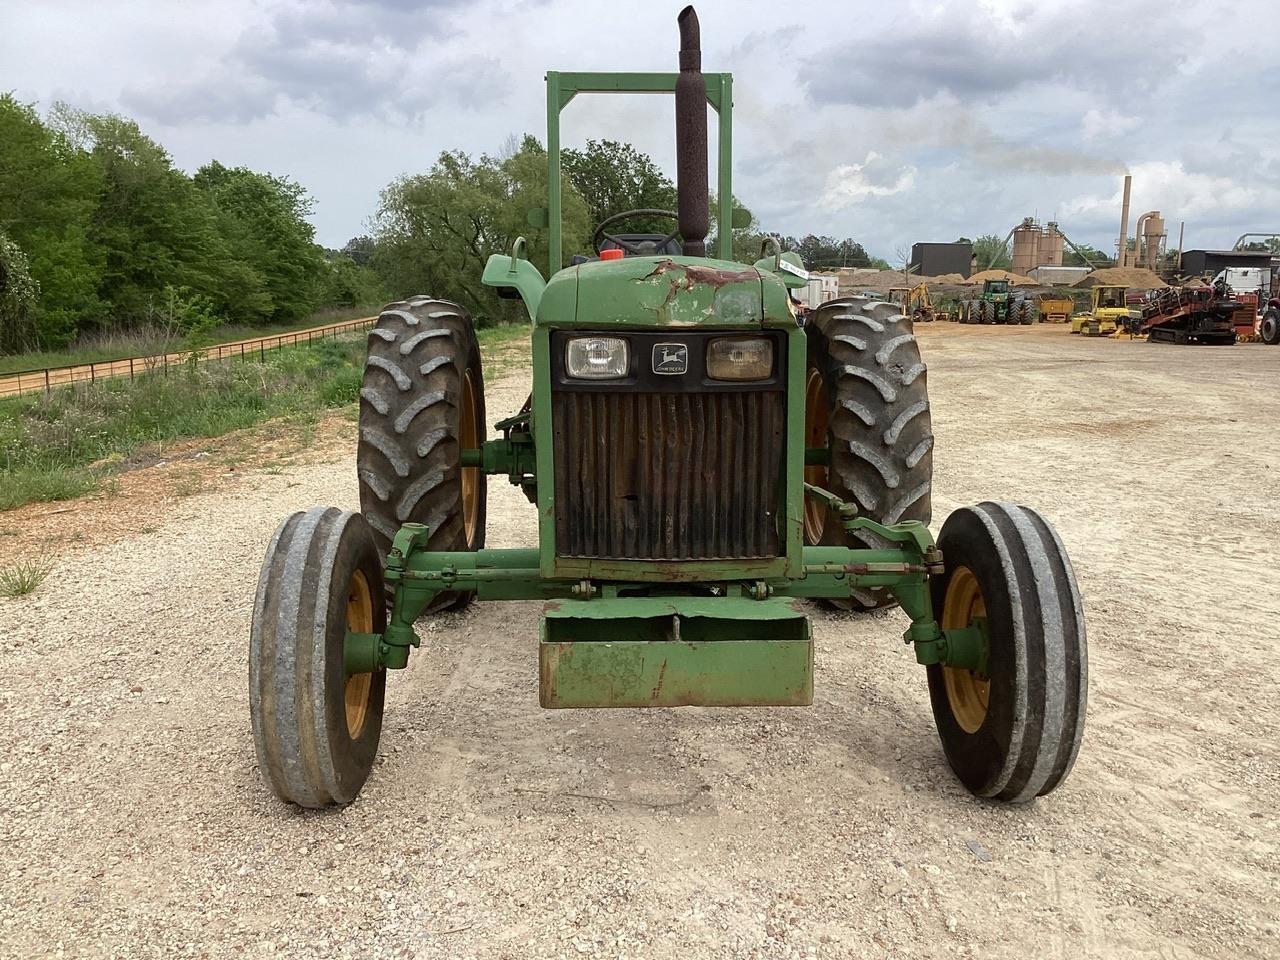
[[675, 652]]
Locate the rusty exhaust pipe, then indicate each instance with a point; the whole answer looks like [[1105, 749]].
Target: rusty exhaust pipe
[[692, 199]]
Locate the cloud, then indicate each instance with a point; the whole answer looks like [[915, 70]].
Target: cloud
[[851, 183], [979, 52], [1191, 195], [341, 58], [1105, 124]]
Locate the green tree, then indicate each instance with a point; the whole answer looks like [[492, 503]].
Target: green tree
[[613, 177], [435, 231], [348, 284], [151, 222], [49, 190], [262, 221], [992, 253], [360, 250], [827, 253], [1070, 258], [19, 297]]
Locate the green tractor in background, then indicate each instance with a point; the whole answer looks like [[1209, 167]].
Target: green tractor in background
[[998, 303], [701, 459]]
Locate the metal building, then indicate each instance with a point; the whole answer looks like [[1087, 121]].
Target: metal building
[[1208, 263], [935, 259]]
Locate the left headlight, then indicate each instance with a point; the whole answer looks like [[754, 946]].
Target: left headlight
[[740, 358], [596, 358]]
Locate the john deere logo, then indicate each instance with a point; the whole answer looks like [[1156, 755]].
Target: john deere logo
[[670, 358]]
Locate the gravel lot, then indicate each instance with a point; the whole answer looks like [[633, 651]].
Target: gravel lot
[[133, 821]]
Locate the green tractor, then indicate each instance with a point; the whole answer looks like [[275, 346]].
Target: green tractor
[[999, 303], [702, 460]]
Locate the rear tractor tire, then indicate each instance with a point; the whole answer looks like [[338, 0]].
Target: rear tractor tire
[[1013, 733], [1269, 329], [316, 728], [867, 401], [421, 404]]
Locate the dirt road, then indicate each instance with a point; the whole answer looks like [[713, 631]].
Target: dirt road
[[133, 821]]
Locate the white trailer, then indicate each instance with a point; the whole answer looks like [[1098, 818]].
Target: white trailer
[[821, 289]]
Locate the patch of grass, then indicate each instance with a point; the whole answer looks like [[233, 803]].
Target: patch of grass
[[22, 578], [65, 445], [503, 334], [116, 344], [42, 484]]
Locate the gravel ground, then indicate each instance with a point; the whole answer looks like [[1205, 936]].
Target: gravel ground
[[133, 821]]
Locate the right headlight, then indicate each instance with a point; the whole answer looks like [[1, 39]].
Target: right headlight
[[596, 358], [740, 358]]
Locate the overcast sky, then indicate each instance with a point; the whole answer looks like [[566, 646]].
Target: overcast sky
[[887, 122]]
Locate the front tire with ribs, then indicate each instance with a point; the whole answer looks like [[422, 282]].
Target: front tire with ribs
[[1269, 329], [867, 401], [421, 404]]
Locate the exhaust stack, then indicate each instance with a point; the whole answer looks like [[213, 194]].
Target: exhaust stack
[[692, 200], [1122, 248]]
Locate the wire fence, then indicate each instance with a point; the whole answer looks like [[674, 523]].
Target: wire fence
[[45, 379]]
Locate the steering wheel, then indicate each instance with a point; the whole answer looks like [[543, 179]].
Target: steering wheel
[[641, 248]]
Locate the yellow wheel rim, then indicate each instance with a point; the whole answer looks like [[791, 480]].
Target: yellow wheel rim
[[469, 439], [967, 694], [815, 435], [359, 620]]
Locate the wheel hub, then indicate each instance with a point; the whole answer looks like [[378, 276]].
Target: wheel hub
[[967, 693], [359, 620], [815, 435], [469, 439]]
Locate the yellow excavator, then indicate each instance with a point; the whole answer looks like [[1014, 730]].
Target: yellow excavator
[[914, 302], [1108, 313]]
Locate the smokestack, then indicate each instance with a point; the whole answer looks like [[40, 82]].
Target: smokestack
[[1122, 250], [691, 138]]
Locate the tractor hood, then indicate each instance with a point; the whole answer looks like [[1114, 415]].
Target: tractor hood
[[665, 291]]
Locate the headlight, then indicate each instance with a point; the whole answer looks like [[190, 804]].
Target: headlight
[[740, 358], [596, 358]]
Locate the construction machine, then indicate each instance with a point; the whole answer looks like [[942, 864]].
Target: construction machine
[[1269, 324], [1108, 312], [702, 461], [914, 301], [997, 303], [1185, 315]]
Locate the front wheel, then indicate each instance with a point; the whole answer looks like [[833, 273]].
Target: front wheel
[[1269, 329], [316, 726], [1012, 733]]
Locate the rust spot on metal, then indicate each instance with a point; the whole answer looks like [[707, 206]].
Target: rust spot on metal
[[657, 687], [696, 274]]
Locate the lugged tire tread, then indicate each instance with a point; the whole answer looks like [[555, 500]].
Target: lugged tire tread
[[409, 455], [882, 440]]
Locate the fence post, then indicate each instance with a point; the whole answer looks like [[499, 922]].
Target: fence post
[[46, 379], [131, 368]]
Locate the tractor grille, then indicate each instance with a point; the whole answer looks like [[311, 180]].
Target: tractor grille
[[668, 476]]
